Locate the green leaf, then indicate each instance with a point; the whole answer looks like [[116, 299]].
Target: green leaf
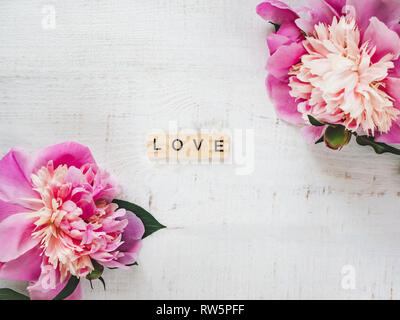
[[315, 122], [132, 264], [68, 289], [150, 223], [379, 147], [8, 294]]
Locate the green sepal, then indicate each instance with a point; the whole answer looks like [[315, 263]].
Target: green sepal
[[315, 122]]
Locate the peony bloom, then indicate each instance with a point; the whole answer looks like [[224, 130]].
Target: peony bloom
[[338, 62], [57, 219]]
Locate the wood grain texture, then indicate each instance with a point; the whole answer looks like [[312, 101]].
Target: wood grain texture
[[111, 71]]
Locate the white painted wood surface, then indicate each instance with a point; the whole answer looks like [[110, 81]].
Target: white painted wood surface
[[112, 70]]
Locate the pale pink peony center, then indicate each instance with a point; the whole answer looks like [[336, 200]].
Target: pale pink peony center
[[72, 227], [337, 81]]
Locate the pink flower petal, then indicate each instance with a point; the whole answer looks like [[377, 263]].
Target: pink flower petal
[[276, 12], [337, 5], [392, 87], [284, 58], [7, 209], [133, 231], [285, 105], [24, 268], [387, 11], [386, 41], [15, 184], [68, 153], [393, 136], [131, 237], [312, 133], [16, 232], [287, 34], [317, 11], [38, 292]]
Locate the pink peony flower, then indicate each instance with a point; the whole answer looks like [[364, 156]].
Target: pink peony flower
[[337, 61], [57, 219]]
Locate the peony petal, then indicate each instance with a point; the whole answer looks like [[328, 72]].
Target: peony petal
[[16, 231], [15, 184], [396, 70], [284, 58], [276, 12], [24, 268], [392, 88], [275, 41], [317, 11], [105, 187], [387, 11], [131, 237], [312, 133], [285, 105], [67, 153], [131, 257], [321, 11], [287, 34], [393, 136], [133, 231], [337, 5], [7, 209], [114, 264], [385, 40], [37, 292]]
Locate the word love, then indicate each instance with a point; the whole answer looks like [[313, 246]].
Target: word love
[[188, 146]]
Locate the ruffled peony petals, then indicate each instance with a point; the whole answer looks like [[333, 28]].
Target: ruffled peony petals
[[15, 185], [385, 40], [284, 58], [67, 153], [285, 105], [387, 11], [24, 268], [16, 231], [7, 209], [312, 134], [105, 187], [276, 12]]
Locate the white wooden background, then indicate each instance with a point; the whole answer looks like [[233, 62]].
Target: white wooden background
[[112, 70]]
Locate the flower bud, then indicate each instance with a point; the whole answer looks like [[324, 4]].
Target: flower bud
[[96, 272], [336, 137]]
